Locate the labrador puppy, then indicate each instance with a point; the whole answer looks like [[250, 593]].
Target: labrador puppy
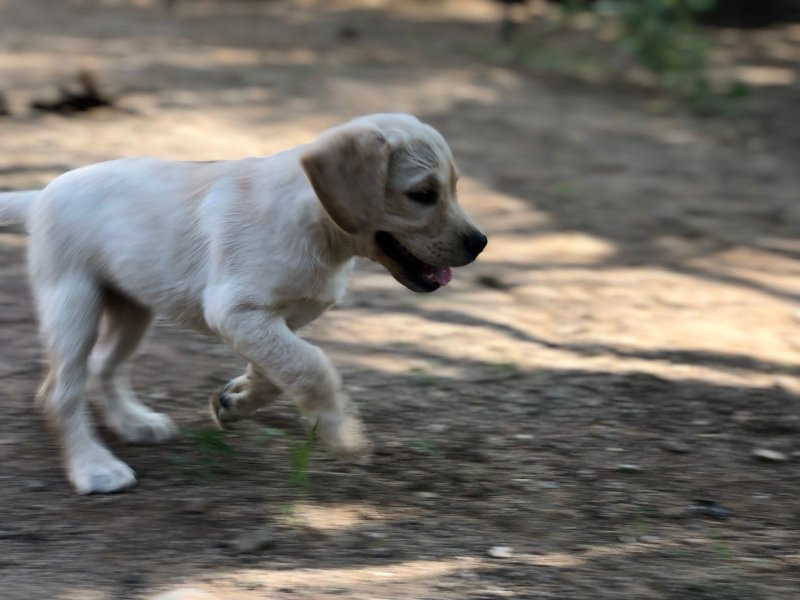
[[248, 250]]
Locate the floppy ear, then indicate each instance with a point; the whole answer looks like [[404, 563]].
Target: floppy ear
[[348, 170]]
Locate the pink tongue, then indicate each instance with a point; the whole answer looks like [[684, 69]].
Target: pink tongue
[[442, 275]]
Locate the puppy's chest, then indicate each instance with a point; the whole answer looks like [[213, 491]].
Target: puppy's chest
[[302, 304], [301, 311]]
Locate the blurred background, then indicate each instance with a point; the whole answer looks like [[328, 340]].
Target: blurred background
[[606, 405]]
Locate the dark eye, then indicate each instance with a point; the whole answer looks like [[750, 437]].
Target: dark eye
[[427, 196]]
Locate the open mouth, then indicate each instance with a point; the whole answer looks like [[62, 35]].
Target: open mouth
[[420, 274]]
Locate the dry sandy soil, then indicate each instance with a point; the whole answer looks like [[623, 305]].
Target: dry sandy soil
[[590, 393]]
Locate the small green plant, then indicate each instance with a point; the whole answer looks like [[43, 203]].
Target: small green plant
[[211, 449], [663, 37], [301, 457], [721, 546], [424, 378], [506, 368], [423, 446]]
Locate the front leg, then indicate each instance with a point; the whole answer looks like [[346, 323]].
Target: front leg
[[301, 370], [242, 396]]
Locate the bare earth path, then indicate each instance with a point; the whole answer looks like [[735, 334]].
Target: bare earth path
[[627, 340]]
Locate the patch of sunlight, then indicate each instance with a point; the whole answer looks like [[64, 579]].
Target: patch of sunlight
[[330, 519], [436, 94], [483, 200], [10, 240], [566, 560], [752, 271], [420, 10], [566, 247], [766, 76], [363, 579], [353, 576], [401, 365], [200, 57]]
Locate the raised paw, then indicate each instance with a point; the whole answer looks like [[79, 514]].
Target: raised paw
[[97, 471], [235, 402], [137, 424]]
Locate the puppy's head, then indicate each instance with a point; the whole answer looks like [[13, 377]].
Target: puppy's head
[[390, 181]]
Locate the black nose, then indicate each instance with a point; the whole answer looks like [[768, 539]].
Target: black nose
[[475, 242]]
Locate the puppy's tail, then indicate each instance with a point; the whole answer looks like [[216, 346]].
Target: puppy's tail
[[15, 207]]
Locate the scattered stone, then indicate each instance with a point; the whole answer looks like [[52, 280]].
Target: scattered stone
[[629, 468], [4, 110], [677, 447], [768, 455], [426, 495], [253, 541], [196, 506], [34, 485], [676, 512], [549, 485], [501, 552], [523, 436], [348, 33], [709, 508], [84, 97], [493, 594], [650, 539], [492, 282]]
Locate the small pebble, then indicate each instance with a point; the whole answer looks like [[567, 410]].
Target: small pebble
[[492, 282], [253, 541], [34, 485], [196, 506], [426, 495], [501, 552], [709, 508], [629, 468], [677, 447], [768, 455]]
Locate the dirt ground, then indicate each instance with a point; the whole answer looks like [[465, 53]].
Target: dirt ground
[[589, 393]]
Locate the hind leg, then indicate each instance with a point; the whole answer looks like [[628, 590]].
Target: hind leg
[[70, 310], [123, 326]]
